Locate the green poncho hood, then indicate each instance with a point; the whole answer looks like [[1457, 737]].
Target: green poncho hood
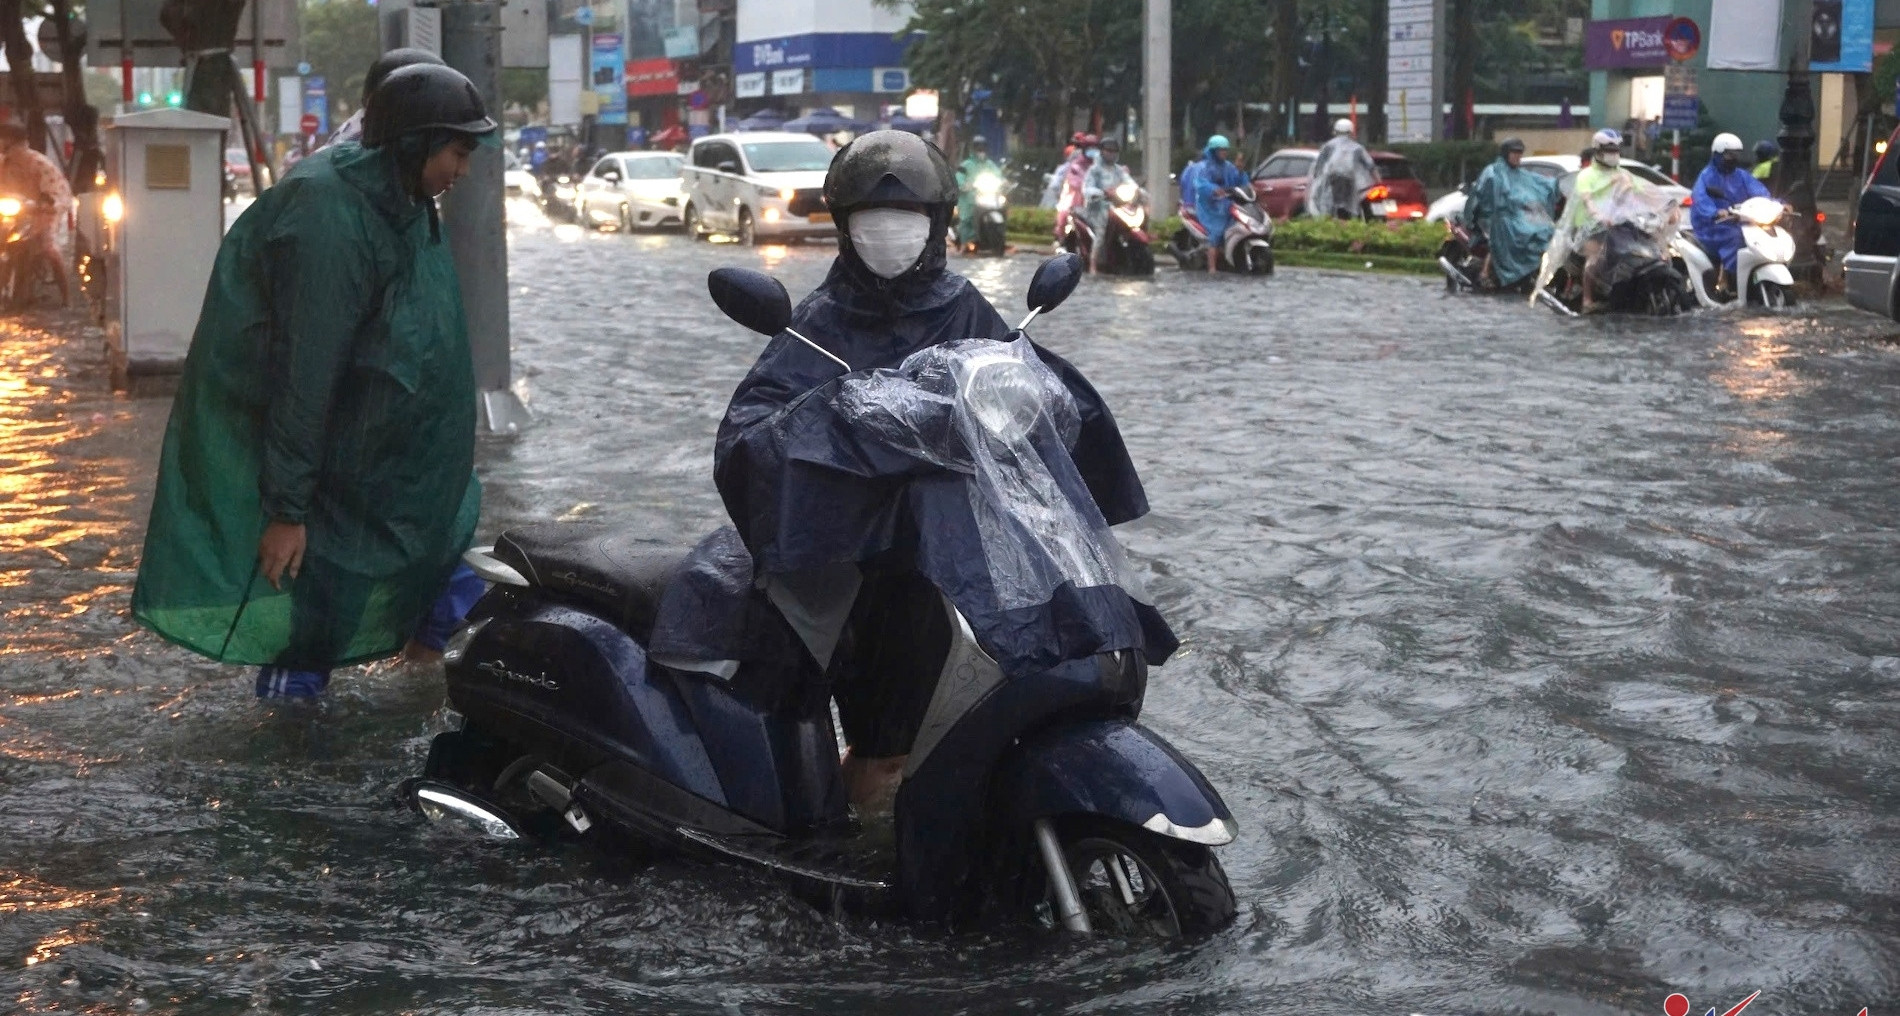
[[328, 383]]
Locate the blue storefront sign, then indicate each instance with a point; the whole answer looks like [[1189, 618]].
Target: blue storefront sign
[[1843, 40], [636, 137], [610, 78], [820, 49], [316, 100]]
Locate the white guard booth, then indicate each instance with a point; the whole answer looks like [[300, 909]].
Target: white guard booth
[[167, 170]]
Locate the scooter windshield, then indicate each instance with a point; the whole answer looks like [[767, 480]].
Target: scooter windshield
[[996, 414]]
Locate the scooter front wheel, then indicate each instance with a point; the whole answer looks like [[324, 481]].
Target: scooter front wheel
[[1136, 884]]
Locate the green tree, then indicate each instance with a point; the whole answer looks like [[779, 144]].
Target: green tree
[[340, 39]]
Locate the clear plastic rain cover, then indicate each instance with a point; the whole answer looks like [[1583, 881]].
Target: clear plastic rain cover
[[1648, 218], [996, 413]]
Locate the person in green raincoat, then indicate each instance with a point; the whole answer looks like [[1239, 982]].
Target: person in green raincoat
[[316, 486], [1512, 207], [967, 172]]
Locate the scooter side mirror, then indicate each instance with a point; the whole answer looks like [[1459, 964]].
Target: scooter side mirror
[[1054, 280], [754, 299]]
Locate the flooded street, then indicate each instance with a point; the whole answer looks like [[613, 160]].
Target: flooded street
[[1550, 666]]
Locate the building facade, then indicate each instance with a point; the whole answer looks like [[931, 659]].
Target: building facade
[[799, 55]]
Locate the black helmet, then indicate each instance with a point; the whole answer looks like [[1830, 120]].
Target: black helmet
[[1509, 145], [394, 60], [888, 166], [980, 141], [1111, 142], [1765, 150], [424, 97]]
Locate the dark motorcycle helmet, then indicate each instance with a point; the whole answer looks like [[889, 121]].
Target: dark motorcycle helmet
[[1509, 145], [892, 167], [424, 97], [392, 61]]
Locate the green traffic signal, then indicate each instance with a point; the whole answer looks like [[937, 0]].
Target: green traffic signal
[[145, 98], [174, 98]]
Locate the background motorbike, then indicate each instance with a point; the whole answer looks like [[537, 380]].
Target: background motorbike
[[1247, 245], [1761, 278], [992, 212], [1130, 250], [1461, 257], [23, 268], [1034, 792]]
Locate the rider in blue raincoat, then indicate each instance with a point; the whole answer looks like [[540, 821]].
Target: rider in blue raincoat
[[1215, 174], [1512, 207], [1722, 185]]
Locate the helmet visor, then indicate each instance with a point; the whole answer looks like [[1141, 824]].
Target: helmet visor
[[889, 165]]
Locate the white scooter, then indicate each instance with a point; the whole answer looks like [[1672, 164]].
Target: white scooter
[[1761, 266]]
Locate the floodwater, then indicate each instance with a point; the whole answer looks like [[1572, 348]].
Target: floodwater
[[1550, 667]]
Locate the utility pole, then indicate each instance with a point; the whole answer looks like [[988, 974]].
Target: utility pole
[[1157, 115], [472, 217], [1794, 170]]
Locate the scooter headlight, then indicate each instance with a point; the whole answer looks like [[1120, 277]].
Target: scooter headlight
[[1126, 192], [1003, 397], [9, 207]]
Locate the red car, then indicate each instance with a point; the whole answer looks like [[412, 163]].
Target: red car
[[1281, 184]]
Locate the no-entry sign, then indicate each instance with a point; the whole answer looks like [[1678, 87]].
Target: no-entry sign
[[308, 124]]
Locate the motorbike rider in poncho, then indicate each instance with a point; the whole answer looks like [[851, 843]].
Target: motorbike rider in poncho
[[1342, 171], [1512, 208], [1212, 178], [1604, 195], [1721, 185], [968, 171], [1106, 174], [846, 530], [324, 426], [1069, 177]]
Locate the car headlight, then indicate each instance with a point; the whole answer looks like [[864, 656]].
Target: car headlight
[[9, 207]]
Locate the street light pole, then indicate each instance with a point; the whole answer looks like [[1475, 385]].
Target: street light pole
[[1157, 118], [1794, 170]]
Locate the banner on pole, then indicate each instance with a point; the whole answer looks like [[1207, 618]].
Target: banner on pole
[[1414, 66]]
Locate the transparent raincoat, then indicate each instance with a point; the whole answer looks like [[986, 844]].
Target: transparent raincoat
[[1342, 171], [1636, 221]]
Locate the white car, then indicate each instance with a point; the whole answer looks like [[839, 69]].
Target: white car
[[1563, 169], [516, 181], [757, 185], [631, 189]]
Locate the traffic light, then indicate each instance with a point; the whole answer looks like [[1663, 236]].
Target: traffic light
[[174, 98], [145, 98]]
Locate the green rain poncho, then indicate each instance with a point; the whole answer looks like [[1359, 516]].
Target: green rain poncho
[[328, 383], [967, 172], [1512, 207]]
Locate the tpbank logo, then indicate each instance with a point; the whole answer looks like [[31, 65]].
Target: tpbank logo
[[1678, 1005], [1640, 40]]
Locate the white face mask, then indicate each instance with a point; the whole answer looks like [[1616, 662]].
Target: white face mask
[[1610, 159], [889, 240]]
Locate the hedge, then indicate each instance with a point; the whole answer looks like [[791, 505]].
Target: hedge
[[1333, 236]]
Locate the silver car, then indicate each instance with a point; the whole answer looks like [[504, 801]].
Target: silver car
[[757, 185], [631, 190]]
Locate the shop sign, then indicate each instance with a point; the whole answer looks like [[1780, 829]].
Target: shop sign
[[890, 79], [682, 42], [748, 86], [652, 77], [788, 82], [1626, 42]]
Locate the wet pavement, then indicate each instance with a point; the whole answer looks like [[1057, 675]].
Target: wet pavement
[[1549, 665]]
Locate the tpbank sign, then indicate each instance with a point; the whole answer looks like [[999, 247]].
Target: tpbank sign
[[1626, 42]]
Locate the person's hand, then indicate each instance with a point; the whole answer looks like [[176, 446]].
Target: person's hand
[[280, 549]]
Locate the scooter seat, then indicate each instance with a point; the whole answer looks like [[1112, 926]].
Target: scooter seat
[[602, 568]]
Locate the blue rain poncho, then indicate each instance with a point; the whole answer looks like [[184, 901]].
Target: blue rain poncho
[[819, 469], [1512, 207], [1211, 203], [1716, 192]]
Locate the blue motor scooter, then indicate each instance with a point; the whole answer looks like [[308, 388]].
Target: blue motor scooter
[[1037, 793]]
